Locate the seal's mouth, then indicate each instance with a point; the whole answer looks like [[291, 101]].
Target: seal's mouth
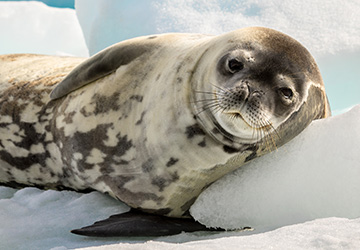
[[237, 115]]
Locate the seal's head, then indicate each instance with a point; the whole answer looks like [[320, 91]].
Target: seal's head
[[260, 84]]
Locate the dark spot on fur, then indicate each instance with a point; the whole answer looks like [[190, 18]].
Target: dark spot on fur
[[141, 118], [162, 182], [172, 161], [194, 130], [69, 117], [106, 103], [179, 80], [31, 137], [179, 67], [215, 131], [85, 113], [122, 162], [159, 182], [93, 139], [202, 143], [138, 98], [147, 166], [120, 181], [230, 150], [152, 37], [117, 184]]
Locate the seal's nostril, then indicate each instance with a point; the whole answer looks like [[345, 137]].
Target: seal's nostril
[[250, 89], [256, 94]]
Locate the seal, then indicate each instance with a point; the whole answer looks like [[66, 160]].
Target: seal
[[154, 120]]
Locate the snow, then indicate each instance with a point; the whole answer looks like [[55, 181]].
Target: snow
[[315, 175], [43, 219], [332, 233], [282, 195], [33, 27]]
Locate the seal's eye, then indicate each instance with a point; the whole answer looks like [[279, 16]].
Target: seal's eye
[[287, 93], [235, 66]]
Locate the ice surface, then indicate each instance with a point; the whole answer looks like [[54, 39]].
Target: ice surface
[[315, 175], [33, 27], [332, 233], [36, 219]]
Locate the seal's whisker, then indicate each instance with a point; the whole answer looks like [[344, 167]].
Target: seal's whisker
[[222, 89], [204, 92], [209, 106], [218, 109], [269, 123], [263, 138], [253, 134], [258, 135], [275, 131], [210, 93], [204, 100], [268, 135]]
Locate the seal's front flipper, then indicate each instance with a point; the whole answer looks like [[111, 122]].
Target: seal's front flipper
[[135, 223]]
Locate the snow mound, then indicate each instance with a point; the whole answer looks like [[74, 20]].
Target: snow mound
[[315, 175]]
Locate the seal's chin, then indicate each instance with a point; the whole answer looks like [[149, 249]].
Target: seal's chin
[[235, 124]]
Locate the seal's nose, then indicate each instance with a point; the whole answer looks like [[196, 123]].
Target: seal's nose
[[243, 90], [249, 90]]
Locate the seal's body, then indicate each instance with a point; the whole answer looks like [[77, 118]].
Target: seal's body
[[154, 120]]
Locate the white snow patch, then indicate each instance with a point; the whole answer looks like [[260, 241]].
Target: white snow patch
[[315, 175], [35, 219], [33, 27]]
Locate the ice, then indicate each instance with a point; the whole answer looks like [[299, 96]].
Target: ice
[[315, 175], [33, 27], [332, 233], [36, 219], [107, 22], [323, 26]]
